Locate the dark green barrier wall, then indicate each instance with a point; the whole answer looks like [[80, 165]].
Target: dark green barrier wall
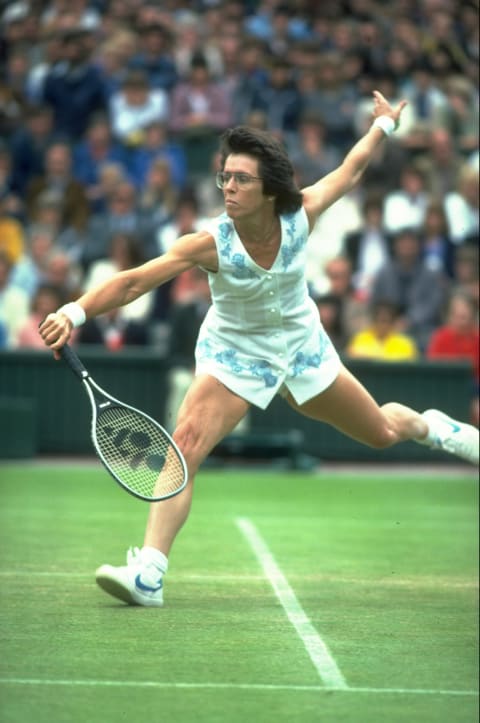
[[44, 409]]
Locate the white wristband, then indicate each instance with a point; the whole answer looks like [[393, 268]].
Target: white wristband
[[74, 312], [386, 123]]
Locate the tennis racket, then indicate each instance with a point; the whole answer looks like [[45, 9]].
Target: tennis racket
[[136, 450]]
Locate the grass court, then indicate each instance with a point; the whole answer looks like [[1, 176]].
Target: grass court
[[292, 597]]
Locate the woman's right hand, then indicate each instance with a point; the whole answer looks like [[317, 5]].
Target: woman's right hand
[[55, 331]]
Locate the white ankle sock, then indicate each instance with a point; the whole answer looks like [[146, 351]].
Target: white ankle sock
[[155, 557]]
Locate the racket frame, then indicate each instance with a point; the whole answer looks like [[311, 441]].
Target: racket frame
[[76, 365]]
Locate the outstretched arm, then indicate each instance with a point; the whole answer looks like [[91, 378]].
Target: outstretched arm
[[125, 286], [336, 184]]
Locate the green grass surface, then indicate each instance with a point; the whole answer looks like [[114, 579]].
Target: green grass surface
[[384, 567]]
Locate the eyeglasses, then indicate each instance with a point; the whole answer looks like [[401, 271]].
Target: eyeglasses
[[241, 179]]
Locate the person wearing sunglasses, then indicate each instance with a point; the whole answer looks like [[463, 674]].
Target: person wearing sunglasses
[[262, 335]]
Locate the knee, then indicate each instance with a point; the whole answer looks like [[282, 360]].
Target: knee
[[188, 438]]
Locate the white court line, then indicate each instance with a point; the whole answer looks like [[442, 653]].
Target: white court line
[[232, 686], [319, 654]]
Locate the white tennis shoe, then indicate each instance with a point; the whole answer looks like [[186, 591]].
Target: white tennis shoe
[[452, 436], [139, 582]]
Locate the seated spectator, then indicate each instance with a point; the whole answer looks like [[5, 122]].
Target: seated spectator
[[200, 110], [135, 107], [11, 231], [157, 143], [330, 309], [335, 102], [29, 145], [440, 163], [466, 270], [90, 154], [438, 249], [416, 290], [185, 321], [122, 215], [280, 100], [14, 303], [368, 248], [406, 206], [462, 206], [458, 338], [58, 178], [113, 332], [380, 339], [154, 56], [31, 268], [46, 300], [159, 195], [353, 308], [461, 115], [73, 88], [311, 156], [125, 252]]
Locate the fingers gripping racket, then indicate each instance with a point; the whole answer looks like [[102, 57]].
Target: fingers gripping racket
[[136, 450]]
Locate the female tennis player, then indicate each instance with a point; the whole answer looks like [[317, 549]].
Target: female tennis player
[[262, 335]]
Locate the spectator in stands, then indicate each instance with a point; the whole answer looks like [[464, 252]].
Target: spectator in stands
[[14, 303], [466, 270], [406, 206], [73, 87], [461, 113], [90, 154], [58, 178], [158, 143], [368, 248], [159, 195], [280, 99], [154, 56], [380, 339], [125, 252], [185, 320], [438, 249], [458, 338], [114, 58], [440, 163], [312, 156], [122, 215], [46, 300], [113, 332], [200, 109], [418, 291], [135, 107], [251, 78], [29, 145], [191, 38], [461, 206], [11, 231], [331, 314]]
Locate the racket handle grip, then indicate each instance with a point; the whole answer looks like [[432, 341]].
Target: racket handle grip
[[69, 356]]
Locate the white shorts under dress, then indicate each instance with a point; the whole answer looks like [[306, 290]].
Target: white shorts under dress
[[263, 335]]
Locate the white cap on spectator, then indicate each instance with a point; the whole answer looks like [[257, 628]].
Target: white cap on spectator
[[15, 12]]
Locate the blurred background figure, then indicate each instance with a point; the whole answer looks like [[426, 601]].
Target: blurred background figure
[[135, 106], [185, 321], [458, 338], [380, 339], [407, 283], [46, 300], [14, 304]]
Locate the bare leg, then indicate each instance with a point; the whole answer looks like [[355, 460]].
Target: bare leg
[[348, 406], [208, 413]]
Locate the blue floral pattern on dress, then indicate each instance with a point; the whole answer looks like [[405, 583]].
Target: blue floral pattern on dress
[[241, 270], [225, 239], [304, 361], [291, 247], [229, 358]]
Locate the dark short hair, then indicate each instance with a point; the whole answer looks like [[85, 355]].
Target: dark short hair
[[275, 167]]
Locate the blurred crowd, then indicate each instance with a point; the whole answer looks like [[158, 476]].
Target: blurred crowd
[[110, 116]]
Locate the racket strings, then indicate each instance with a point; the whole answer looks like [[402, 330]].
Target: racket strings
[[138, 452]]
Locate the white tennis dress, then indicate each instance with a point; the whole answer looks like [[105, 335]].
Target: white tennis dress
[[263, 333]]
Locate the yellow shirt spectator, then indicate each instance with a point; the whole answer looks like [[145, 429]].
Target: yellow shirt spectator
[[380, 340]]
